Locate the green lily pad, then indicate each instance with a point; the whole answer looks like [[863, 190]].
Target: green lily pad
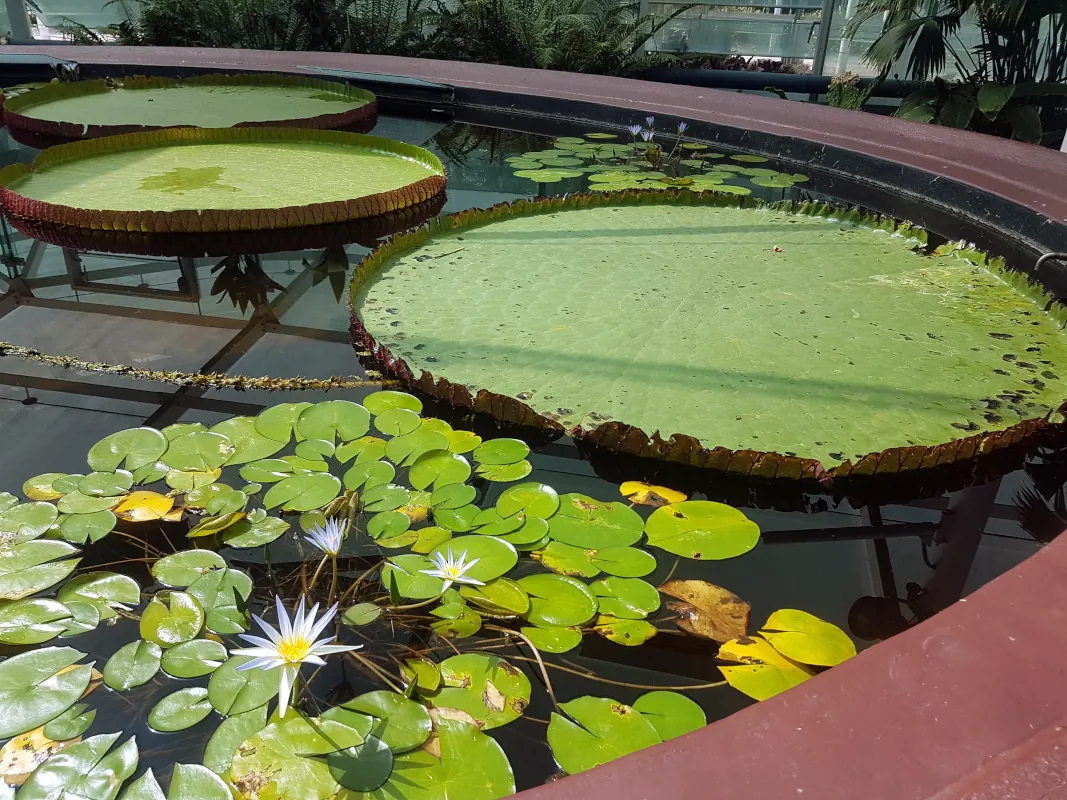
[[180, 710], [429, 538], [315, 449], [777, 182], [181, 428], [368, 475], [422, 672], [105, 590], [488, 688], [495, 556], [145, 787], [440, 468], [303, 492], [217, 499], [401, 723], [693, 146], [489, 522], [453, 496], [533, 499], [533, 530], [38, 487], [181, 569], [200, 451], [277, 422], [568, 560], [171, 618], [547, 175], [249, 444], [132, 448], [626, 598], [222, 594], [625, 562], [269, 470], [84, 770], [193, 659], [397, 422], [671, 714], [728, 189], [133, 664], [593, 524], [341, 418], [387, 497], [627, 632], [363, 768], [71, 723], [78, 503], [602, 730], [192, 480], [457, 520], [254, 532], [524, 164], [558, 601], [463, 441], [82, 528], [388, 524], [33, 621], [32, 567], [466, 623], [383, 400], [38, 686], [701, 529], [106, 484], [554, 639], [501, 451], [361, 614], [405, 450], [499, 596], [365, 448], [232, 692], [406, 572], [505, 473], [67, 484], [231, 733], [84, 617], [196, 782], [750, 159]]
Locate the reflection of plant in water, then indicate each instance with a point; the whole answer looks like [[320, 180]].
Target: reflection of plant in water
[[332, 266], [650, 160], [457, 142], [427, 570], [245, 287]]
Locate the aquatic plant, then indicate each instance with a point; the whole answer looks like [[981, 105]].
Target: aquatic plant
[[450, 553]]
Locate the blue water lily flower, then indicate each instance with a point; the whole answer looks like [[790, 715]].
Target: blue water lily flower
[[328, 537]]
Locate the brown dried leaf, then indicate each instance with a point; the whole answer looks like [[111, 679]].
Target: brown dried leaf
[[708, 610], [22, 755]]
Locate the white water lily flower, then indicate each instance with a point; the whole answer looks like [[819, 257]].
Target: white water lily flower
[[635, 130], [328, 537], [648, 135], [452, 570], [682, 126], [291, 647], [650, 121]]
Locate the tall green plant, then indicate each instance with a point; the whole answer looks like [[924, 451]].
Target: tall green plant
[[1008, 81]]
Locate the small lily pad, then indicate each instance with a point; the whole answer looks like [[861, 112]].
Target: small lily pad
[[626, 598], [369, 475], [193, 659], [401, 723], [488, 688], [593, 524], [805, 638], [439, 468], [181, 569], [627, 632], [533, 499], [334, 418], [277, 422], [701, 529], [365, 448], [180, 710], [501, 451], [171, 618], [495, 556], [397, 422], [625, 562], [235, 692], [361, 614], [558, 601], [505, 473], [249, 444], [601, 731], [671, 714], [568, 560], [200, 451], [757, 669], [133, 664], [554, 639], [105, 590], [303, 492], [131, 448]]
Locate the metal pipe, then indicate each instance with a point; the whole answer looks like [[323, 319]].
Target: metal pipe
[[826, 19]]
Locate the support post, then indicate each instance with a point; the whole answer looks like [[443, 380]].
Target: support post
[[826, 19], [19, 21]]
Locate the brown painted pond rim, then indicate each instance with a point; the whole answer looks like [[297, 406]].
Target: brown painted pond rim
[[969, 704]]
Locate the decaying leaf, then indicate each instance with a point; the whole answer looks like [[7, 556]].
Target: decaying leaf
[[646, 494], [759, 670], [22, 755], [143, 506], [433, 744], [708, 610]]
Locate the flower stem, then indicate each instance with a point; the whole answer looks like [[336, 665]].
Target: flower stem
[[333, 583], [422, 604], [315, 577], [377, 671]]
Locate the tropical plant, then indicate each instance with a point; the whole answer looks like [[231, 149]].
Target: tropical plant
[[412, 561], [1009, 83]]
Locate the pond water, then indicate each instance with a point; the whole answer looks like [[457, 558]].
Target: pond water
[[286, 315]]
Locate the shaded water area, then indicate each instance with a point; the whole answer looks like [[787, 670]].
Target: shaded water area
[[286, 314]]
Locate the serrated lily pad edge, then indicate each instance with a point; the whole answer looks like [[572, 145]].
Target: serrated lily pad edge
[[1010, 445], [196, 221], [18, 111]]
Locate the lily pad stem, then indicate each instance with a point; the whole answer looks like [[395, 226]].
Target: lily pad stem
[[423, 604], [624, 684]]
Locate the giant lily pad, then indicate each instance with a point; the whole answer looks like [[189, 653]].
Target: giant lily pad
[[889, 338], [192, 182], [87, 109]]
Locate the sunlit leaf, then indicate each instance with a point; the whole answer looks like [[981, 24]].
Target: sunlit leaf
[[143, 506], [495, 556], [191, 480], [558, 601], [193, 659], [82, 528], [365, 448], [625, 562], [21, 523], [397, 421], [423, 672], [381, 401], [303, 492], [487, 687], [106, 484], [701, 529], [216, 499], [33, 620], [277, 422], [499, 596], [405, 450], [429, 538], [361, 614], [78, 503], [256, 532], [568, 560], [803, 637], [504, 473], [105, 590], [232, 731], [31, 567], [647, 494], [234, 692], [626, 598], [554, 639], [84, 617], [466, 623], [401, 723], [501, 452], [195, 782], [171, 618], [628, 632], [709, 610], [440, 468], [181, 569], [760, 671], [249, 444], [341, 418], [601, 731], [533, 499], [199, 451], [592, 524], [222, 593], [40, 487], [457, 520]]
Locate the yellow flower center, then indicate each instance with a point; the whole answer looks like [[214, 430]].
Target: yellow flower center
[[452, 572], [294, 649]]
